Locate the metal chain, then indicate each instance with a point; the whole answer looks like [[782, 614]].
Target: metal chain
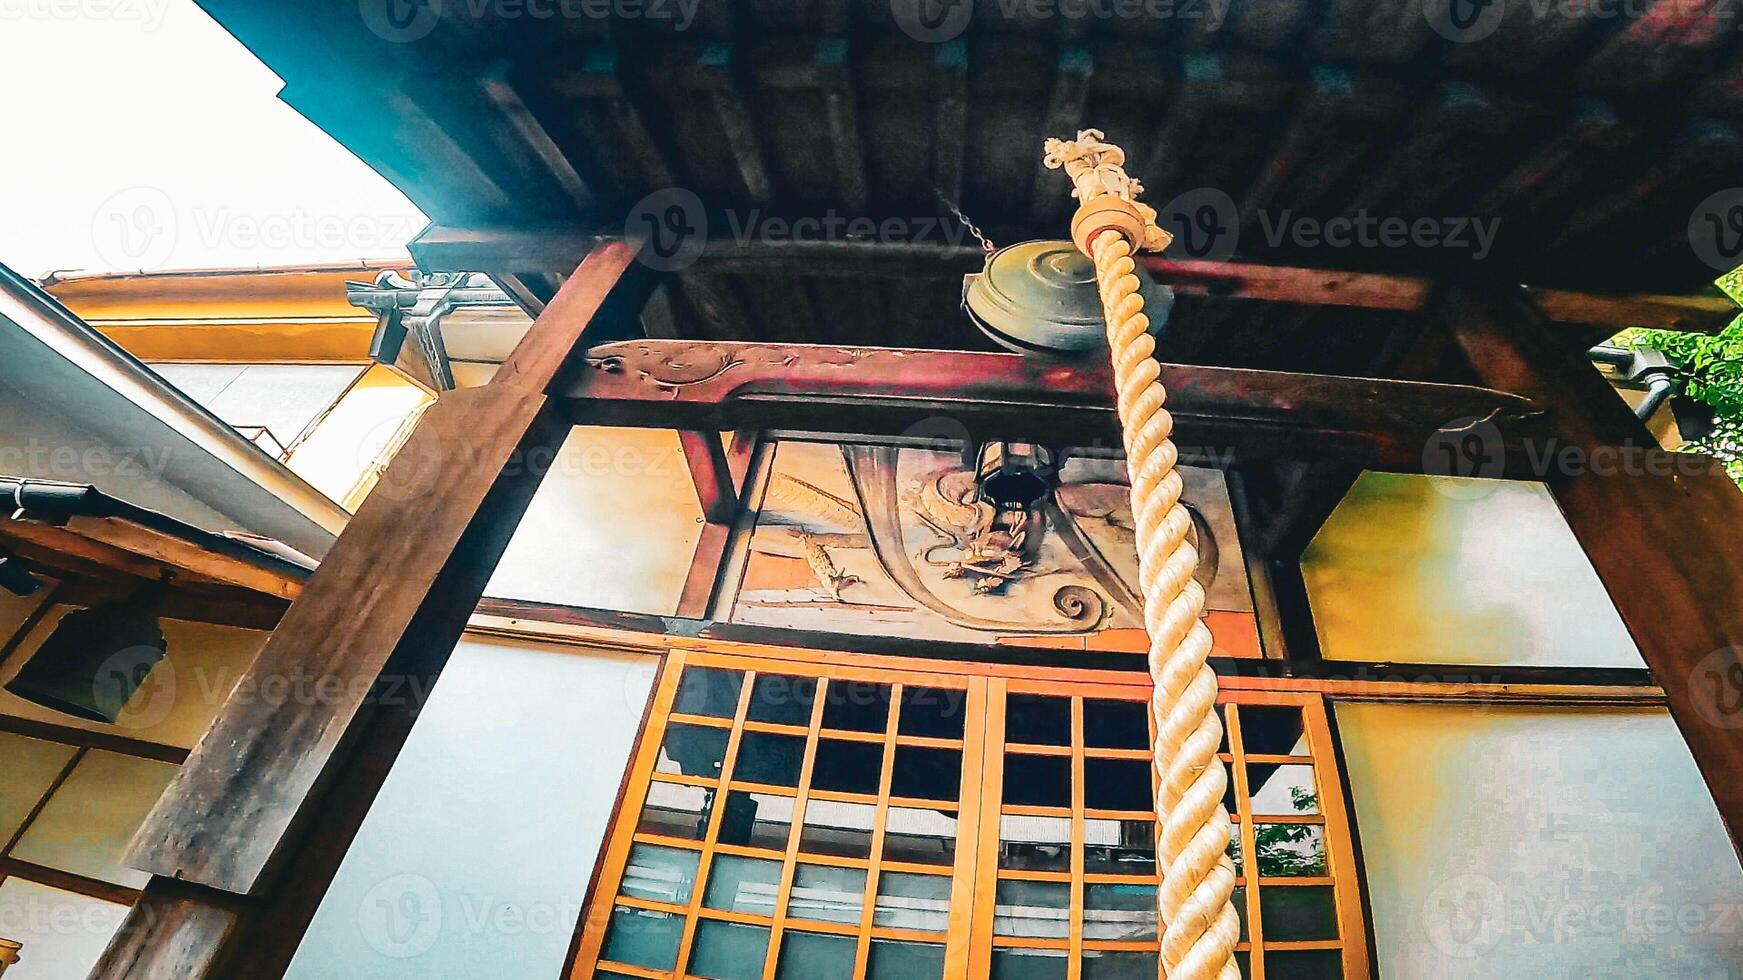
[[986, 245]]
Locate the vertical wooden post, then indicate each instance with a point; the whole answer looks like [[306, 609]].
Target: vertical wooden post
[[1663, 530], [245, 842]]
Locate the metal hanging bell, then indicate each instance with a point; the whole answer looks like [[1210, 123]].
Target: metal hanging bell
[[1040, 298], [96, 658]]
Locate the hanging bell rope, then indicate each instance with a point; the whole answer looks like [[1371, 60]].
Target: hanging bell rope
[[1199, 924]]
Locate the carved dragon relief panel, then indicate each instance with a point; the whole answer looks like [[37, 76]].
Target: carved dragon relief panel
[[895, 542]]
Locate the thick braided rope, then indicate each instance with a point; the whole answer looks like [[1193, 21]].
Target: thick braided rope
[[1200, 927]]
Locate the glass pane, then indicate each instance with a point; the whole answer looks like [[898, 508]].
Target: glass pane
[[708, 691], [910, 901], [1032, 908], [856, 706], [1281, 789], [63, 933], [782, 700], [1235, 850], [1123, 911], [692, 750], [741, 884], [1303, 964], [920, 836], [757, 820], [87, 824], [1291, 912], [816, 956], [660, 874], [1034, 719], [1270, 729], [1031, 964], [1035, 843], [894, 960], [1116, 724], [928, 774], [841, 829], [676, 811], [1117, 784], [31, 767], [848, 767], [638, 937], [772, 759], [1239, 900], [932, 712], [729, 951], [1110, 964], [1292, 850], [827, 894], [1121, 847], [1037, 780]]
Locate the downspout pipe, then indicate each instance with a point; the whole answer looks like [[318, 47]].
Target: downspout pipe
[[1645, 366]]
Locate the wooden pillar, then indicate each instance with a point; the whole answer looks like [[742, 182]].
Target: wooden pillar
[[245, 842], [1663, 530]]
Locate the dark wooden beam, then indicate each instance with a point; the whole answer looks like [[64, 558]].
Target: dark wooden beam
[[503, 95], [244, 843], [522, 250], [1226, 414], [950, 118], [705, 562], [705, 455], [835, 79], [1663, 531], [714, 71], [1052, 191]]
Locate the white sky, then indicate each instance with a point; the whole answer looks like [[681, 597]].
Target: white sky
[[141, 135]]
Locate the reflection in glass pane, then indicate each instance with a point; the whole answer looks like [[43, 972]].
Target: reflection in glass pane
[[841, 829], [1111, 964], [1235, 850], [1117, 784], [848, 767], [660, 874], [856, 706], [919, 836], [782, 700], [676, 811], [642, 938], [1037, 780], [1239, 900], [816, 956], [1035, 843], [1245, 962], [1304, 964], [827, 894], [1034, 719], [1271, 729], [1282, 789], [741, 884], [1116, 724], [1030, 964], [1119, 846], [910, 901], [87, 823], [692, 750], [31, 768], [756, 820], [708, 691], [932, 712], [927, 774], [895, 960], [1032, 908], [1126, 911], [729, 951], [1298, 912], [1290, 850], [766, 758]]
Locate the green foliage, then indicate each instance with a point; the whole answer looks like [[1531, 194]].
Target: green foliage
[[1711, 372], [1291, 849]]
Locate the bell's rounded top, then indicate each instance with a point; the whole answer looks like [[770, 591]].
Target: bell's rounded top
[[1041, 297]]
